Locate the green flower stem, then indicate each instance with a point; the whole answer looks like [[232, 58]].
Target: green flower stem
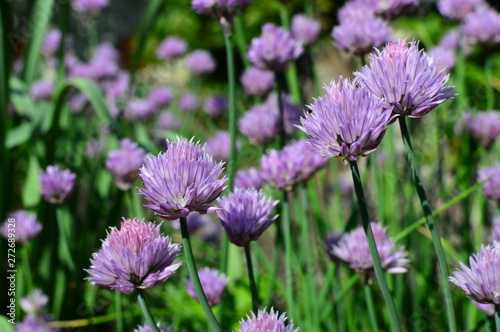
[[231, 77], [27, 267], [490, 92], [279, 90], [370, 307], [253, 284], [497, 318], [93, 35], [118, 311], [241, 42], [436, 240], [287, 238], [146, 312], [379, 273], [64, 224], [134, 204], [193, 274]]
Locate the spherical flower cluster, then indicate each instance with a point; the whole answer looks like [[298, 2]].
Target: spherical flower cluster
[[294, 164], [390, 9], [182, 180], [25, 226], [215, 105], [200, 62], [257, 82], [483, 27], [274, 49], [245, 214], [140, 110], [347, 122], [406, 79], [125, 162], [291, 111], [57, 184], [42, 90], [260, 125], [458, 9], [34, 304], [213, 284], [90, 8], [51, 42], [305, 29], [483, 126], [353, 249], [491, 188], [267, 321], [445, 58], [189, 103], [168, 121], [160, 97], [171, 47], [135, 256], [481, 280], [248, 178], [219, 145]]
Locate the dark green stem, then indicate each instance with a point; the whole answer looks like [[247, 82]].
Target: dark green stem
[[279, 90], [27, 268], [379, 273], [195, 279], [232, 110], [370, 307], [253, 284], [241, 40], [146, 312], [497, 318], [64, 224], [118, 311], [93, 35], [436, 240], [287, 238], [490, 92]]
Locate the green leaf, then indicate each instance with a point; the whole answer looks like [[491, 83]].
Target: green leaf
[[20, 97], [18, 135], [31, 189], [5, 326]]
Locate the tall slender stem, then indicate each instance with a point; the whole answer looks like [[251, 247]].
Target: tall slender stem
[[497, 318], [232, 109], [279, 91], [379, 273], [64, 224], [195, 279], [287, 237], [93, 35], [27, 267], [146, 312], [370, 307], [118, 310], [253, 284], [429, 217]]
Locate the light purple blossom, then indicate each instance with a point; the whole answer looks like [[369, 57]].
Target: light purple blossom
[[42, 90], [481, 280], [213, 284], [353, 249], [51, 42], [90, 8], [25, 226], [248, 178], [491, 188], [355, 10], [487, 308], [140, 110], [291, 111], [260, 125], [483, 27], [458, 9], [171, 47], [160, 97], [135, 256], [219, 145], [483, 126], [189, 103], [274, 49], [305, 29], [245, 214], [125, 162], [347, 122], [182, 180], [118, 86], [57, 184], [168, 121], [406, 78], [200, 62], [390, 9], [257, 82], [34, 304], [33, 324], [267, 321], [444, 57], [215, 105]]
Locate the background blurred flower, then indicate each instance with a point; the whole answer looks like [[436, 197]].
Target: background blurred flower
[[139, 110], [215, 105], [34, 303], [219, 145], [171, 47], [125, 162], [444, 57], [26, 227], [458, 9], [248, 178], [42, 90], [89, 8], [491, 188], [57, 184], [260, 125], [483, 126], [160, 97], [200, 62], [189, 103], [51, 42], [213, 284], [257, 82], [483, 27], [168, 121], [305, 29], [267, 321]]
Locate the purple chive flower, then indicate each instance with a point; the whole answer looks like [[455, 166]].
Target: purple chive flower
[[353, 249], [51, 42], [332, 240], [33, 324], [160, 97], [267, 321], [390, 9], [200, 62], [195, 221], [171, 47], [487, 308], [135, 256], [168, 121], [223, 10], [295, 163], [406, 79], [42, 90], [291, 111], [213, 284], [484, 127], [219, 145], [125, 162], [245, 214], [481, 280], [90, 8], [491, 188], [34, 304], [57, 184], [140, 110], [257, 82], [215, 105], [458, 9], [483, 27], [118, 86], [182, 180], [260, 125], [146, 328], [355, 10], [305, 29], [444, 57], [496, 229], [347, 122], [361, 34], [274, 49], [248, 178], [26, 225], [189, 103], [106, 51]]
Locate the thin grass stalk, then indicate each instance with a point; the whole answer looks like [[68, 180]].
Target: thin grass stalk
[[379, 273], [490, 92], [146, 312], [195, 279], [251, 277], [93, 35], [231, 77], [370, 306], [118, 311], [64, 224], [431, 224], [63, 27], [27, 268], [287, 239], [279, 91], [497, 318]]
